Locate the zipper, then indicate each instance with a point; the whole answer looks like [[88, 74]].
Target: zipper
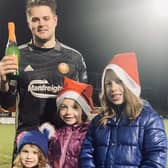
[[62, 161]]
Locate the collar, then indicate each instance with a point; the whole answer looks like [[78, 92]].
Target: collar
[[75, 126], [57, 45]]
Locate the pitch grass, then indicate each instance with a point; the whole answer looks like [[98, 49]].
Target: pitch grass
[[7, 132]]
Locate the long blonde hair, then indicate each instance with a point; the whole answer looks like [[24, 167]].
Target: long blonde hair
[[42, 159], [132, 106]]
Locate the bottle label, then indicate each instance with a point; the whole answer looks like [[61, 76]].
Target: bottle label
[[13, 51]]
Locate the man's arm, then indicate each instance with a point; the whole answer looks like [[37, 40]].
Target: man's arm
[[8, 65], [83, 71], [4, 85]]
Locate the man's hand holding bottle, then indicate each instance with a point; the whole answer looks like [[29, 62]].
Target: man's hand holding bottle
[[8, 65]]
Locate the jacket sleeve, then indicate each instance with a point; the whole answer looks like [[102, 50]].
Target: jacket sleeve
[[82, 70], [87, 150], [8, 99], [54, 149], [154, 149]]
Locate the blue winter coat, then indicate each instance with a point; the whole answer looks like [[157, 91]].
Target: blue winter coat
[[141, 143]]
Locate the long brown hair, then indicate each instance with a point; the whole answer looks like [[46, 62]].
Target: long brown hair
[[132, 106]]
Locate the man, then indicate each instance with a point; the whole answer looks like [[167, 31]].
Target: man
[[44, 63]]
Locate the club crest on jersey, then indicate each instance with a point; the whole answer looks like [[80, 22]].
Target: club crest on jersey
[[42, 89], [63, 68]]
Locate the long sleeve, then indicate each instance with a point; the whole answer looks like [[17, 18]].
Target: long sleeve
[[82, 70], [87, 150], [154, 148], [8, 99]]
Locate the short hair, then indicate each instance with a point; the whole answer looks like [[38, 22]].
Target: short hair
[[32, 3]]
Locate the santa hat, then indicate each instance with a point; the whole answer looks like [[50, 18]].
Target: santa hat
[[39, 137], [125, 67], [80, 92]]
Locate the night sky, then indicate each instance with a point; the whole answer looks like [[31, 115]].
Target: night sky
[[101, 28]]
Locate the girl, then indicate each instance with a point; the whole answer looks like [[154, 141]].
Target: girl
[[128, 133], [32, 147], [74, 105]]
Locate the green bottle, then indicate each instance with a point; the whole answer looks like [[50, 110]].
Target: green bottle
[[12, 48]]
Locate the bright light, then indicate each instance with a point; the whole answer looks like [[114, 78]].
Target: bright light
[[161, 7]]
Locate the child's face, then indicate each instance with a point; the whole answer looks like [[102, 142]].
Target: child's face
[[70, 112], [29, 156], [114, 89]]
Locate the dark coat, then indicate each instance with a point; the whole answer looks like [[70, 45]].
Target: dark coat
[[123, 144]]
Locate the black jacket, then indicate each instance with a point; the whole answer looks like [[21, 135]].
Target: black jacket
[[40, 81]]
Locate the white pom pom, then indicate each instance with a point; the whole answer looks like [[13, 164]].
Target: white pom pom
[[48, 129]]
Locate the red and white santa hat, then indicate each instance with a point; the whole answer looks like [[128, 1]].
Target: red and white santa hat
[[80, 92], [126, 68]]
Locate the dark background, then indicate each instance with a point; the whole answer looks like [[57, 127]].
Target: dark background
[[101, 28]]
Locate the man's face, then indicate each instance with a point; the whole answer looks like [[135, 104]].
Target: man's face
[[42, 23]]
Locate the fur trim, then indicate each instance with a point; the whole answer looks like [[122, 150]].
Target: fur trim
[[47, 129]]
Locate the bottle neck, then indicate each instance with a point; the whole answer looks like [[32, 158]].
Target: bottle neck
[[12, 37], [11, 43], [11, 30]]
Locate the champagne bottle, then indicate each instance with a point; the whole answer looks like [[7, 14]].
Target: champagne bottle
[[12, 48]]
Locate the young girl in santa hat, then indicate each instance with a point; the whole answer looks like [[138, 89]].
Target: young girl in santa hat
[[128, 133], [32, 148], [74, 104]]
